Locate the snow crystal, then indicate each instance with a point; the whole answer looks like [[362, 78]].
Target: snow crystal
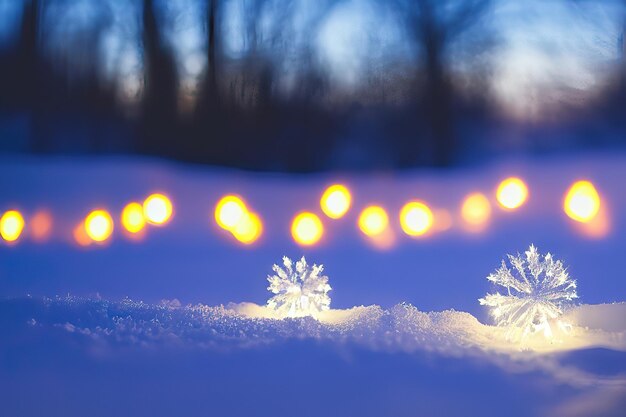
[[538, 288], [299, 292]]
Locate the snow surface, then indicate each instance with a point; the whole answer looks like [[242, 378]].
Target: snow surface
[[104, 330], [210, 354]]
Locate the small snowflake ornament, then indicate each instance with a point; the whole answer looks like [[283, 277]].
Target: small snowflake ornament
[[538, 288], [299, 292]]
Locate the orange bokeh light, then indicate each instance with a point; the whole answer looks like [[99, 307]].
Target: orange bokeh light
[[40, 226], [80, 235], [443, 220]]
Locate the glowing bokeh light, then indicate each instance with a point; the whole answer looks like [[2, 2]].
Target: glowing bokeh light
[[230, 211], [416, 218], [443, 220], [373, 220], [157, 209], [336, 201], [307, 229], [11, 225], [582, 202], [132, 218], [99, 225], [248, 229], [512, 193], [476, 209], [80, 235], [40, 226]]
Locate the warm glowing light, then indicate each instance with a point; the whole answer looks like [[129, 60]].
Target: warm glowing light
[[416, 218], [336, 201], [40, 226], [476, 209], [99, 225], [11, 225], [443, 220], [373, 220], [157, 209], [512, 193], [307, 229], [230, 212], [582, 201], [80, 235], [248, 229], [132, 218]]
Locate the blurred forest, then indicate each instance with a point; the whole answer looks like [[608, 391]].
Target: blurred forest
[[300, 86]]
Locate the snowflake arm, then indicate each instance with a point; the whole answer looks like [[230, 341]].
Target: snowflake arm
[[538, 289], [300, 292]]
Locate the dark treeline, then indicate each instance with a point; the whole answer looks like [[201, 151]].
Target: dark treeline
[[239, 117]]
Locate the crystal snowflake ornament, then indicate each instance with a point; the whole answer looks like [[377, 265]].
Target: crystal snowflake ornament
[[538, 288], [299, 292]]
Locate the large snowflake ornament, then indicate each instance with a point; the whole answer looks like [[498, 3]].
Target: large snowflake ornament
[[299, 292], [538, 288]]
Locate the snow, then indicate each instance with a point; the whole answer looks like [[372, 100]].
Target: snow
[[405, 335], [403, 327]]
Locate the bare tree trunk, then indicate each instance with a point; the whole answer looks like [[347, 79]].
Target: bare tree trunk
[[160, 108], [211, 51], [437, 100], [439, 105], [27, 80]]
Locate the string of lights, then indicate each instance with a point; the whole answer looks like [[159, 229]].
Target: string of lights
[[581, 203]]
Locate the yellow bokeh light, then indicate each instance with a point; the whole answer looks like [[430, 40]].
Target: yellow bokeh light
[[307, 229], [373, 220], [248, 229], [230, 211], [582, 201], [416, 218], [99, 225], [336, 201], [476, 209], [512, 193], [157, 209], [132, 218], [11, 225]]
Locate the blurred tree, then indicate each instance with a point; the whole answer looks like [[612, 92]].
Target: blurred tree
[[435, 25], [21, 71], [160, 93], [210, 123], [209, 92]]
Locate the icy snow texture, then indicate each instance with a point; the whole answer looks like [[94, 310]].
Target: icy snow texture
[[300, 292], [402, 327], [538, 288], [109, 326]]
